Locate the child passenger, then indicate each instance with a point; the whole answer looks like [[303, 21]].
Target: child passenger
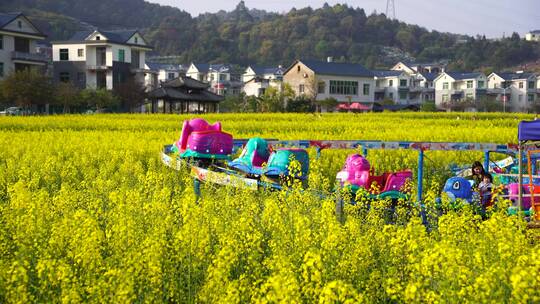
[[485, 187]]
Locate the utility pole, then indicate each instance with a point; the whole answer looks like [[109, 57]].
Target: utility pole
[[390, 8]]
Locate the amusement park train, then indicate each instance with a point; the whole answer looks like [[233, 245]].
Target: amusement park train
[[207, 151]]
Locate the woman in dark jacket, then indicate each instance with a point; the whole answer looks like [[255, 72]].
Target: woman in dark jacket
[[478, 172]]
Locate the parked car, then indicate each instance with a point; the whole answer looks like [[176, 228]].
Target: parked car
[[12, 111]]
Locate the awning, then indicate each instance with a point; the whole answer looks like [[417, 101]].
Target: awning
[[529, 130]]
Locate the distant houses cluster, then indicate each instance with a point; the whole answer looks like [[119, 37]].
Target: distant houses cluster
[[105, 59]]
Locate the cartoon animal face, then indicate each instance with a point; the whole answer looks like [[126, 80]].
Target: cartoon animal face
[[458, 187]]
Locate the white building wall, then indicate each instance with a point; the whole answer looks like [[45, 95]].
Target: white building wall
[[142, 58], [72, 52], [115, 48], [109, 80], [91, 79], [25, 26], [360, 97], [5, 54]]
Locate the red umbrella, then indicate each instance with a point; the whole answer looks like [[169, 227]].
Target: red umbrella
[[343, 106], [359, 106]]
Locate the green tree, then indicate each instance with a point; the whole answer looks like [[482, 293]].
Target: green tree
[[28, 89], [99, 99], [428, 106], [130, 93], [67, 95], [300, 104], [275, 99]]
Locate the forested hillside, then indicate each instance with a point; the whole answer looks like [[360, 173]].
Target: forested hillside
[[245, 36]]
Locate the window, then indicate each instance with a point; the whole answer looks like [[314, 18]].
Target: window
[[520, 97], [391, 95], [341, 87], [64, 54], [531, 85], [301, 89], [445, 86], [64, 76], [481, 84], [531, 97], [298, 69], [403, 95], [469, 96], [222, 77], [19, 24], [403, 82], [121, 55], [1, 42], [80, 52], [469, 84], [136, 40], [391, 82], [321, 88], [521, 85], [366, 88], [1, 69], [445, 97], [98, 38], [170, 76], [80, 76]]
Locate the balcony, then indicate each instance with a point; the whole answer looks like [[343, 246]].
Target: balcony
[[29, 57], [379, 90], [136, 70], [98, 67], [498, 91]]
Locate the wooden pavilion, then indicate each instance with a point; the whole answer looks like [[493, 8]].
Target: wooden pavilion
[[184, 95]]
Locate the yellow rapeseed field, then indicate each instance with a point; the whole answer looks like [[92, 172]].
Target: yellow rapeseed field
[[88, 213]]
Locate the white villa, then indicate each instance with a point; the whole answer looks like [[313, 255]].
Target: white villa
[[516, 90], [219, 77], [18, 44], [161, 72], [455, 86], [257, 79], [100, 59]]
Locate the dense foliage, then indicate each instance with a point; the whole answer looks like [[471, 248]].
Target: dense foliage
[[246, 36], [34, 91], [89, 214]]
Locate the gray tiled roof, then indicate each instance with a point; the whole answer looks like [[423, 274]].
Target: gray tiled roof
[[164, 66], [6, 18], [461, 76], [430, 76], [202, 67], [379, 73], [118, 36], [259, 70], [337, 69], [514, 76], [219, 67]]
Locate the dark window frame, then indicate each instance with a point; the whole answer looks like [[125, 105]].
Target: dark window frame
[[64, 77], [64, 54]]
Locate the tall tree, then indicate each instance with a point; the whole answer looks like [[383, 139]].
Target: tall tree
[[27, 88]]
